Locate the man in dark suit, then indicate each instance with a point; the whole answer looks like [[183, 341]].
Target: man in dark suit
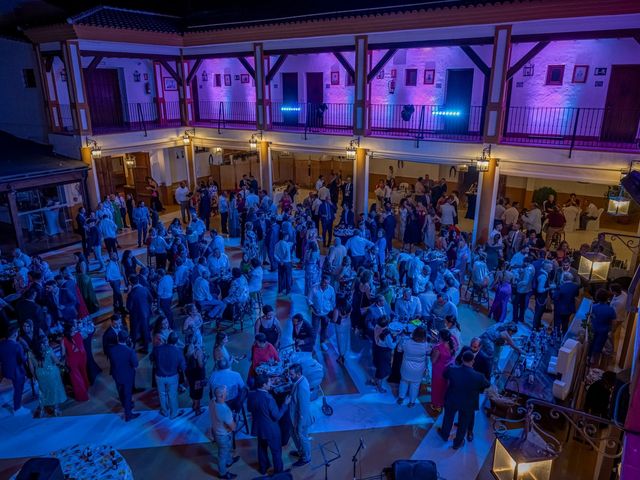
[[139, 302], [347, 192], [481, 363], [123, 370], [564, 302], [462, 397], [347, 217], [327, 214], [110, 335], [265, 427], [81, 222], [28, 309], [13, 360], [302, 334]]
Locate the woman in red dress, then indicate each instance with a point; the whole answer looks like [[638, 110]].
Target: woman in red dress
[[76, 358], [442, 355], [261, 352]]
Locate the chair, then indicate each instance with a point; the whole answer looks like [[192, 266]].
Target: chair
[[403, 186], [572, 215], [594, 225], [256, 301]]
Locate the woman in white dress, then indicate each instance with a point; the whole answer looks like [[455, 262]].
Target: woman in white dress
[[430, 229], [342, 323], [402, 223], [414, 365]]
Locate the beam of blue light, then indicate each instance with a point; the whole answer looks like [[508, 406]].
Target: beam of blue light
[[446, 113], [285, 108]]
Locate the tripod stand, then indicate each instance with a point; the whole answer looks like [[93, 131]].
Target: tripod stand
[[354, 459]]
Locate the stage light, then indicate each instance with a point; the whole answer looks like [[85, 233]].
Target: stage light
[[285, 108]]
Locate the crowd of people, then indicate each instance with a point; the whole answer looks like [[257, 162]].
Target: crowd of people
[[394, 275]]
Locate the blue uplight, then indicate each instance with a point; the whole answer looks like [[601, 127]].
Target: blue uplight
[[284, 108], [446, 113]]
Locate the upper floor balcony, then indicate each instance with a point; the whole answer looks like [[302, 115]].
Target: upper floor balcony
[[425, 93]]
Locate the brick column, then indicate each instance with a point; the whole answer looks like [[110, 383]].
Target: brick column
[[486, 204], [266, 168]]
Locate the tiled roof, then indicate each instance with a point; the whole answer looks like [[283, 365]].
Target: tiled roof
[[112, 17]]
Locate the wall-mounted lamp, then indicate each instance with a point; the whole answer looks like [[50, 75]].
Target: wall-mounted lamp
[[136, 76], [204, 76], [186, 138], [130, 161], [482, 163], [253, 141], [96, 150], [218, 150], [352, 148], [463, 168]]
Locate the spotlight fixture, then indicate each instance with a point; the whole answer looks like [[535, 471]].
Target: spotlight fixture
[[253, 141], [186, 138], [482, 163], [352, 148], [96, 150], [463, 168]]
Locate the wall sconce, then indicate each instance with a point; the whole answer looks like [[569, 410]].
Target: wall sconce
[[186, 138], [130, 161], [352, 148], [63, 75], [96, 150], [527, 70], [218, 150], [463, 168], [482, 163], [136, 76], [205, 76], [253, 141]]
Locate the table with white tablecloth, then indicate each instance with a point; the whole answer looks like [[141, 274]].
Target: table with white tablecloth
[[92, 462]]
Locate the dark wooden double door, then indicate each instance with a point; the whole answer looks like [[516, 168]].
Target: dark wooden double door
[[622, 108]]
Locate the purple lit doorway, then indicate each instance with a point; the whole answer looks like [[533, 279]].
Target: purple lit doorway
[[290, 106], [315, 99], [195, 97], [622, 112], [457, 100]]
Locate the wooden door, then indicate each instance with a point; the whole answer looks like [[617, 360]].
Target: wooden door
[[104, 174], [105, 100], [622, 111], [195, 96], [315, 99], [141, 171]]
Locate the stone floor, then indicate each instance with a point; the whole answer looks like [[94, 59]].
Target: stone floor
[[390, 431]]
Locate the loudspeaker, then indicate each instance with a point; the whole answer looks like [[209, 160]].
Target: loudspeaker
[[631, 184], [41, 469], [414, 470]]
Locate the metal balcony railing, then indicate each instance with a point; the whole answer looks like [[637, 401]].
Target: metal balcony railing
[[225, 114], [426, 122], [312, 117], [135, 117], [573, 127]]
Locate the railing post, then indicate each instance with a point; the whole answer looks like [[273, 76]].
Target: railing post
[[220, 115], [142, 122], [575, 129]]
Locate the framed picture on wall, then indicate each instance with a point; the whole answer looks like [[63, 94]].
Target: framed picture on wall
[[227, 79], [580, 73], [429, 76], [169, 84], [555, 74], [244, 78], [335, 78]]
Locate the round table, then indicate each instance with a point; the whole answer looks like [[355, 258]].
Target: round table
[[91, 462], [343, 234]]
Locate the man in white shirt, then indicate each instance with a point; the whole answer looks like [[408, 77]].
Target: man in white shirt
[[222, 428], [218, 263], [532, 220], [182, 197], [282, 256], [510, 215], [421, 279], [427, 300], [319, 183], [251, 200], [447, 214], [408, 307], [224, 376], [591, 213], [499, 209], [322, 303], [217, 241], [203, 298], [165, 294], [339, 252], [356, 247], [109, 231]]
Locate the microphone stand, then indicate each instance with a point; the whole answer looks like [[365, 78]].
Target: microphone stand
[[354, 459]]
